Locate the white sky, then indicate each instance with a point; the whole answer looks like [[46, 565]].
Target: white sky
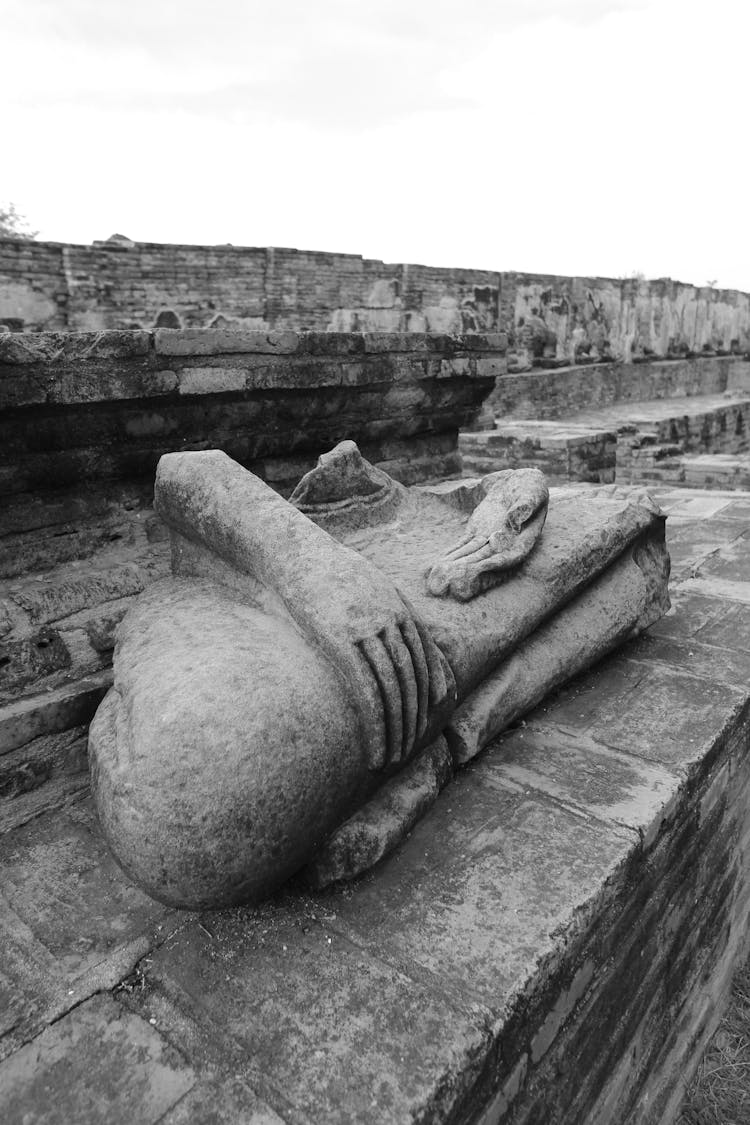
[[567, 136]]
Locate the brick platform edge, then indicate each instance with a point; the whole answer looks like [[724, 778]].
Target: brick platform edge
[[554, 942], [102, 407]]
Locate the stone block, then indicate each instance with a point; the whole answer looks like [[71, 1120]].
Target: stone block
[[219, 341], [27, 979], [64, 886], [48, 601], [299, 374], [575, 769], [453, 343], [72, 347], [332, 343], [496, 341], [57, 710], [35, 764], [211, 380], [100, 1062], [114, 384], [395, 342], [475, 847], [27, 659], [490, 367], [672, 719], [297, 998], [460, 367], [228, 1102]]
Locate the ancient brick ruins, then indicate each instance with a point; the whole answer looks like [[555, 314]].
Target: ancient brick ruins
[[555, 938], [550, 320]]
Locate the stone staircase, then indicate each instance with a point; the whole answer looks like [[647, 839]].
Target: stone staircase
[[699, 441], [562, 450]]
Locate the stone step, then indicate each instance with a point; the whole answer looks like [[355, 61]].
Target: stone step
[[628, 441], [49, 712], [717, 471], [43, 748], [563, 452], [653, 450]]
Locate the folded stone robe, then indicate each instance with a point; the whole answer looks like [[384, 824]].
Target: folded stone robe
[[314, 670]]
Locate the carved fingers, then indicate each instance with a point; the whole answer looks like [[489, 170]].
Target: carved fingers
[[450, 573], [411, 677], [500, 533]]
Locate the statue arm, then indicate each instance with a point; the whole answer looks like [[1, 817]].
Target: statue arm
[[354, 614]]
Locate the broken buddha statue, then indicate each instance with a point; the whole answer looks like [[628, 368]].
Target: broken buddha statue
[[298, 691]]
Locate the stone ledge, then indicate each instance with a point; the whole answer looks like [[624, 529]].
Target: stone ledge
[[61, 369], [72, 347], [218, 341], [82, 408], [57, 710]]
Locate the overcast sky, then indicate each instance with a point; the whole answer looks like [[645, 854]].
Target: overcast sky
[[566, 136]]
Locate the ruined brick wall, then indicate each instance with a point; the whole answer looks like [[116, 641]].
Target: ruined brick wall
[[550, 320], [568, 320], [567, 391], [111, 285], [33, 287], [83, 408]]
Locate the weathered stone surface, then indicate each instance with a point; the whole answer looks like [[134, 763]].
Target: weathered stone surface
[[327, 1032], [299, 770], [68, 706], [101, 628], [97, 1063], [262, 397], [618, 967], [61, 881], [563, 451], [551, 320], [217, 341], [221, 1103], [288, 676], [211, 380], [28, 348], [27, 659], [375, 830], [33, 764], [568, 391], [50, 601], [628, 597]]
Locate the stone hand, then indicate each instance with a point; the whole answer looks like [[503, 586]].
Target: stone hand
[[415, 687], [500, 533]]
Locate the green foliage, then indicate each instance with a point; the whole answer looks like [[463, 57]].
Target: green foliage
[[13, 224]]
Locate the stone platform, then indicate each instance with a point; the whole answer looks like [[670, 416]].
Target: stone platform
[[554, 942], [699, 441]]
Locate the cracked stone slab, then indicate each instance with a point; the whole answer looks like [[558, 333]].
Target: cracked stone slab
[[98, 1063]]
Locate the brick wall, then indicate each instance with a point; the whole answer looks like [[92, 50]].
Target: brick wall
[[550, 320], [561, 392], [571, 320], [85, 409]]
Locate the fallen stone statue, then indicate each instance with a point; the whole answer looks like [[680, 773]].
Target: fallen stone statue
[[301, 688]]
